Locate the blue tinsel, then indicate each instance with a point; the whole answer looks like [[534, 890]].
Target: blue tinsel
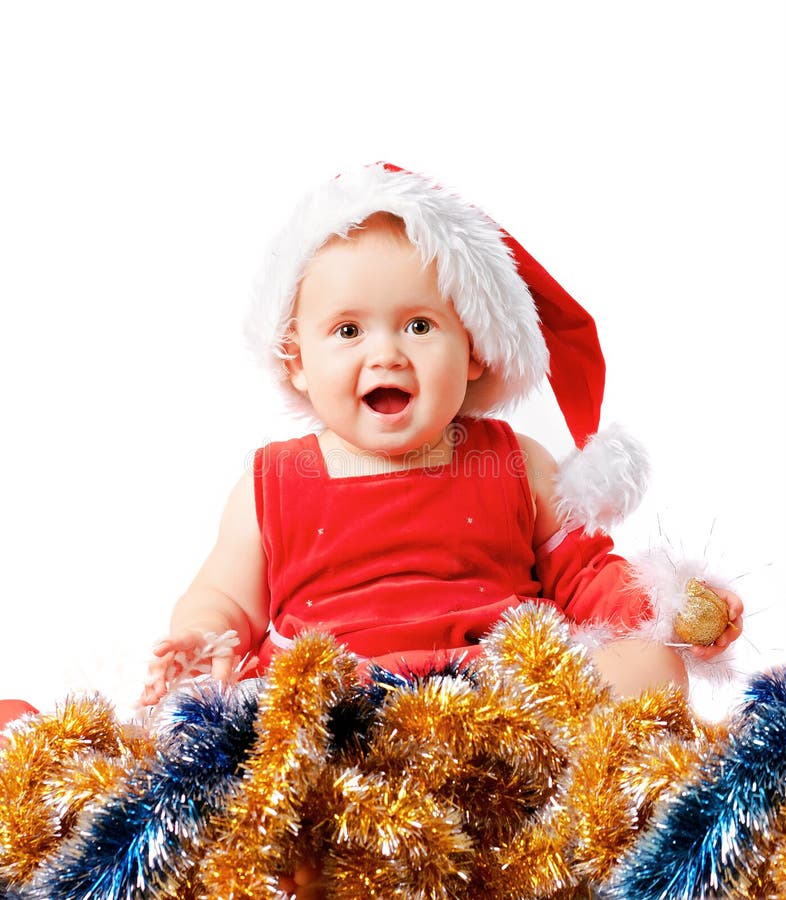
[[703, 843], [140, 842]]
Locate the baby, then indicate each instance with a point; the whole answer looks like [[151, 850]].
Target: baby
[[399, 317]]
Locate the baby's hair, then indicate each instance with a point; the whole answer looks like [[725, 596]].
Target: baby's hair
[[382, 221]]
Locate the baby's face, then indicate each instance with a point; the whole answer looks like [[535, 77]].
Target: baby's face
[[382, 356]]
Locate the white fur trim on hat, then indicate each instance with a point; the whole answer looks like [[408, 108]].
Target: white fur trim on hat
[[597, 487], [474, 267]]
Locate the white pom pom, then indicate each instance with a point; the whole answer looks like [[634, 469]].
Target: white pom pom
[[597, 487]]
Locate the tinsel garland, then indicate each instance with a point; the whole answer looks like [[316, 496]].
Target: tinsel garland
[[714, 836], [52, 765], [140, 840], [261, 827], [520, 778]]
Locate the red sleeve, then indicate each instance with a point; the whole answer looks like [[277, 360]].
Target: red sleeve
[[588, 582]]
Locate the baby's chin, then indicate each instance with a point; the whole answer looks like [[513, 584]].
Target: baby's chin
[[406, 451]]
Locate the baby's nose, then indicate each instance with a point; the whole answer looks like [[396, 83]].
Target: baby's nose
[[385, 350]]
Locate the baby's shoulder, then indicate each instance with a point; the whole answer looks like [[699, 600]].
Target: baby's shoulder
[[540, 463], [239, 524], [542, 470]]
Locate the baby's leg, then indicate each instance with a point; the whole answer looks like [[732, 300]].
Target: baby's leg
[[631, 666], [11, 710], [304, 884]]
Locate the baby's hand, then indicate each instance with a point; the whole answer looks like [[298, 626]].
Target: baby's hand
[[733, 629], [185, 655]]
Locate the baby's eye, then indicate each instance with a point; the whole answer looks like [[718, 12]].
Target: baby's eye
[[418, 326], [347, 331]]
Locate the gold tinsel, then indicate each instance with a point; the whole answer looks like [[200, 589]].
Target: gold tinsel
[[606, 820], [34, 770], [392, 819], [655, 769], [777, 860], [362, 874], [530, 650], [449, 735], [767, 879], [81, 781], [288, 760], [528, 781], [533, 863], [603, 815]]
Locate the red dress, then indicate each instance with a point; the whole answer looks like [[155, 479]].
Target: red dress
[[407, 565]]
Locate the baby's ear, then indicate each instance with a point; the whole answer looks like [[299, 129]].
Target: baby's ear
[[293, 362], [476, 367]]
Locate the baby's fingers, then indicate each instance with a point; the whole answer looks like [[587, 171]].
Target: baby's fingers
[[733, 602], [222, 668], [734, 628], [730, 635], [155, 683], [152, 693]]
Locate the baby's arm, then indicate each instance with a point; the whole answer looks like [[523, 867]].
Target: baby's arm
[[541, 474], [228, 592], [541, 471]]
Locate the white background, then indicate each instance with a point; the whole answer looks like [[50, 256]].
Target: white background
[[148, 151]]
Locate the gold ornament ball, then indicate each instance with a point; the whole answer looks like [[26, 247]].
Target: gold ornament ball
[[704, 617]]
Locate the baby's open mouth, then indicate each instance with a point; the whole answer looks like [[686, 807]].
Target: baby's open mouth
[[387, 400]]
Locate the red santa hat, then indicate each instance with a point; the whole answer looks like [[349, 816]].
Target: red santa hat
[[524, 325]]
